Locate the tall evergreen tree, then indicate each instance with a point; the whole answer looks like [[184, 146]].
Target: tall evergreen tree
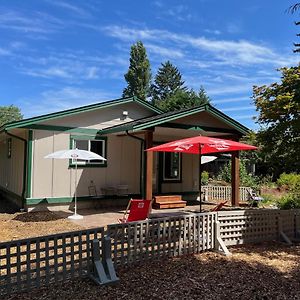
[[138, 75], [167, 82], [183, 99]]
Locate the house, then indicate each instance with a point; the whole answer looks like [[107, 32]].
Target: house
[[119, 130]]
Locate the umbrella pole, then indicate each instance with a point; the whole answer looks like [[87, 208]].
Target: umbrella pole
[[75, 194], [200, 175]]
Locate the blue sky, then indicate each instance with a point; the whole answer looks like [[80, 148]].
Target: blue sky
[[57, 54]]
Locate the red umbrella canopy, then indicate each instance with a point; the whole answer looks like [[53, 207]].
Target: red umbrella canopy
[[207, 145]]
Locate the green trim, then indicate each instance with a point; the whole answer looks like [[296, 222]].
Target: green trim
[[60, 200], [197, 127], [152, 123], [70, 112], [164, 120], [221, 116], [29, 163], [63, 128], [88, 137]]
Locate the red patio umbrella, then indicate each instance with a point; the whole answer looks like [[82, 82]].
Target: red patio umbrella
[[202, 145]]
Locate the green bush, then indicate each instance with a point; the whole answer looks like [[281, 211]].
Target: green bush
[[245, 178], [288, 181], [292, 199], [204, 178]]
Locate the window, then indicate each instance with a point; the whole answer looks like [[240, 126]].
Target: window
[[90, 144], [172, 166], [9, 144]]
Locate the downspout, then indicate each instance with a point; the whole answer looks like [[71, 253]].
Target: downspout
[[24, 165], [142, 162]]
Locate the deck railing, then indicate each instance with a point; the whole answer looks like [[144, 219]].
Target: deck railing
[[34, 262], [221, 193]]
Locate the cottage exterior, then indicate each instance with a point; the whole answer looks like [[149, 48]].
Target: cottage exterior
[[119, 130]]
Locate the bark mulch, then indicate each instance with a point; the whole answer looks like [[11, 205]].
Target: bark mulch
[[18, 225], [265, 271]]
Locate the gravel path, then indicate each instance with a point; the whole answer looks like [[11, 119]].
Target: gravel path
[[266, 271]]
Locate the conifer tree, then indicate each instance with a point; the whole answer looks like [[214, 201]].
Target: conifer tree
[[138, 75]]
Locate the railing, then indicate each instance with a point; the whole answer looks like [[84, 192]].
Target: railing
[[223, 193], [34, 262], [248, 226], [141, 241]]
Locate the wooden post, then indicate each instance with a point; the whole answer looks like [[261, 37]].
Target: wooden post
[[235, 179], [149, 164]]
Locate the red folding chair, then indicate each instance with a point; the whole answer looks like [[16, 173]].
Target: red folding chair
[[219, 206], [138, 210]]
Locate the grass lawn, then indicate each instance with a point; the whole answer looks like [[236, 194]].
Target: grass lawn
[[265, 271]]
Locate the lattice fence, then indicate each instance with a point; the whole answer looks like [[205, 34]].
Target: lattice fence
[[141, 241], [247, 226], [221, 193], [34, 262]]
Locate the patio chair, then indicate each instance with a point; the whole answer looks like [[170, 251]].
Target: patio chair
[[254, 198], [138, 210], [219, 206]]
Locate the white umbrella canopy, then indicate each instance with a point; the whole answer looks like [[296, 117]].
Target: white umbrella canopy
[[207, 159], [75, 154]]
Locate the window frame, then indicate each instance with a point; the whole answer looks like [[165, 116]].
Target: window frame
[[178, 179], [89, 139]]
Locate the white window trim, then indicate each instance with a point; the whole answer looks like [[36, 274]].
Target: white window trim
[[86, 163]]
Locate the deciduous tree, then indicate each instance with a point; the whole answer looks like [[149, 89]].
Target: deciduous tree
[[9, 114]]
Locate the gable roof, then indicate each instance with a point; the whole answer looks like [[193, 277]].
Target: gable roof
[[77, 110], [163, 118]]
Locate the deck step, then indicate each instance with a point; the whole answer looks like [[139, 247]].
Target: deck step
[[174, 201], [168, 198]]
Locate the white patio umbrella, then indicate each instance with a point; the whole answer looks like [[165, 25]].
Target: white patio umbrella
[[75, 154], [207, 159]]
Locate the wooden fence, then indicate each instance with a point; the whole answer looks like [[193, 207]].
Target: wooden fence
[[221, 193], [168, 237], [29, 263], [34, 262]]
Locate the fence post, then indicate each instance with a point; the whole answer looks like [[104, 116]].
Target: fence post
[[219, 244], [281, 234], [103, 271]]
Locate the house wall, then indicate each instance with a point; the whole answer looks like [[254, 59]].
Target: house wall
[[104, 117], [190, 178], [11, 169], [54, 177]]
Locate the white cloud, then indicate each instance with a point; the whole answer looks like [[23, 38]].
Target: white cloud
[[36, 22], [164, 52], [238, 108], [79, 11], [61, 99], [230, 52]]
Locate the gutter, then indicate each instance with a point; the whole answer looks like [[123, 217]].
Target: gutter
[[24, 166], [142, 163]]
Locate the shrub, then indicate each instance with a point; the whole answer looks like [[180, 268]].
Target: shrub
[[204, 178], [292, 199], [245, 178], [288, 181]]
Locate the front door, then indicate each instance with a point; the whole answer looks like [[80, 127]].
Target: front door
[[155, 174]]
